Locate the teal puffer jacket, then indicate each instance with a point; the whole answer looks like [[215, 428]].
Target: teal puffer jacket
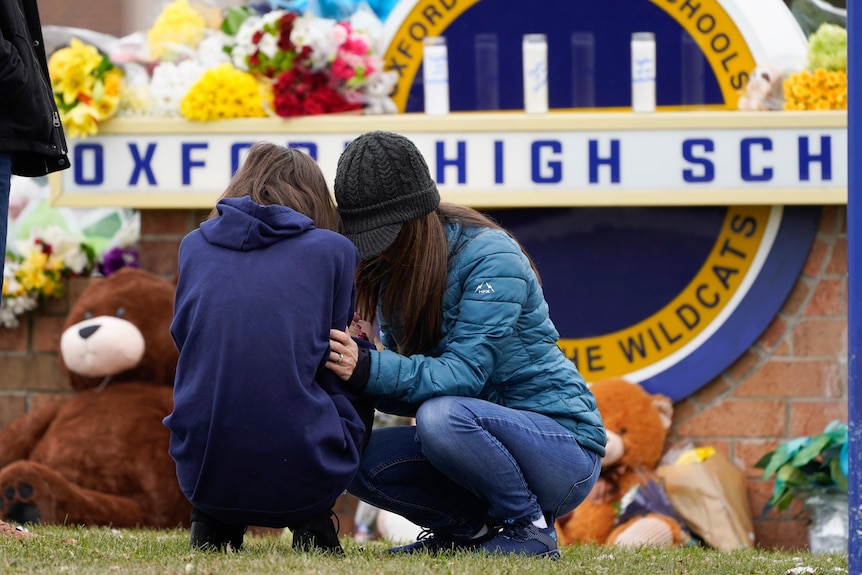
[[498, 343]]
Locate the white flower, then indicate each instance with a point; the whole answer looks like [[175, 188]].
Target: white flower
[[317, 34], [211, 50], [268, 45], [170, 84], [67, 248]]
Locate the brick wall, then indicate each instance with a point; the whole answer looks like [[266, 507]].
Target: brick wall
[[792, 382]]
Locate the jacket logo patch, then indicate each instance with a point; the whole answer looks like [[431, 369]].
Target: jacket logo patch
[[484, 287]]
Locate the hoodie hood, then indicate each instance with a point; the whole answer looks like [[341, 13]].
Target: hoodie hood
[[245, 225]]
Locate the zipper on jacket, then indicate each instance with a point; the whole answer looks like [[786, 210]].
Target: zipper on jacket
[[56, 119]]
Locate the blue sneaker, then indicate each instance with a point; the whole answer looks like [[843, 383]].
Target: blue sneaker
[[434, 543], [521, 539]]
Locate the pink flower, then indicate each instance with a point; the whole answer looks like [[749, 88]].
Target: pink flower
[[341, 69]]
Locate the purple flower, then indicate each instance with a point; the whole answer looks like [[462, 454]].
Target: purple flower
[[116, 258]]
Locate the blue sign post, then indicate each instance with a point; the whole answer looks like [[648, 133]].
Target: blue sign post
[[854, 275]]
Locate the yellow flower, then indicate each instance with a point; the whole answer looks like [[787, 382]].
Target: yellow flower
[[221, 93], [81, 121], [178, 23]]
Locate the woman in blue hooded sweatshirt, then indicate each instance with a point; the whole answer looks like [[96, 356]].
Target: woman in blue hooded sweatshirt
[[261, 432], [507, 435]]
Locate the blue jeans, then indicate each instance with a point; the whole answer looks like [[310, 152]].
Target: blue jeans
[[469, 462], [5, 185]]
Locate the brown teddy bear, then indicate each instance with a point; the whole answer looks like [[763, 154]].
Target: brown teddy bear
[[100, 457], [637, 424]]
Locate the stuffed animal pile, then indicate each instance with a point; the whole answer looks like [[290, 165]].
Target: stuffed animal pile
[[100, 457], [637, 424]]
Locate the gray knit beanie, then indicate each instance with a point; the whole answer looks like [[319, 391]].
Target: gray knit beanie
[[382, 182]]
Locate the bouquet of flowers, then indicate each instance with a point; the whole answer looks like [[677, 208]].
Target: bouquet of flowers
[[823, 86], [316, 65], [221, 93], [178, 25], [86, 87], [46, 260]]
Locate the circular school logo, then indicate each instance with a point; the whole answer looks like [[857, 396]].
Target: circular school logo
[[667, 297]]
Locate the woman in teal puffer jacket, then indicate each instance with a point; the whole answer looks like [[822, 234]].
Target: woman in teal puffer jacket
[[507, 434]]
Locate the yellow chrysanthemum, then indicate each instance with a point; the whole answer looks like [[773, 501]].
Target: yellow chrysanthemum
[[816, 90], [178, 23], [221, 93]]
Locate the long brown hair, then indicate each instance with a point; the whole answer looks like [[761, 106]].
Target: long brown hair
[[273, 174], [409, 278]]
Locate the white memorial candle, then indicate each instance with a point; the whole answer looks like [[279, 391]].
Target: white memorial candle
[[535, 49], [435, 67], [643, 72]]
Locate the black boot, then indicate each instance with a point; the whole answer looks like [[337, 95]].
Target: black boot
[[317, 533], [210, 534]]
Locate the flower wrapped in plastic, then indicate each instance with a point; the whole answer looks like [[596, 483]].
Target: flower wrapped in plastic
[[87, 87], [38, 268], [178, 25]]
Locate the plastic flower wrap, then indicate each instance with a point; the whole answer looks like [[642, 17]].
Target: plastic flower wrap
[[38, 268], [179, 24], [315, 65], [87, 87], [221, 93], [827, 48]]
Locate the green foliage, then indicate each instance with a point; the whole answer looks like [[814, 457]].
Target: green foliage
[[807, 465], [233, 19]]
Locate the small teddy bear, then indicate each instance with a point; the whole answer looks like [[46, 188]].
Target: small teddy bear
[[637, 425], [100, 457], [377, 93], [764, 91]]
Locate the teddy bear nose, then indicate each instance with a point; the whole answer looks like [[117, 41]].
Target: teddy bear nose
[[86, 332]]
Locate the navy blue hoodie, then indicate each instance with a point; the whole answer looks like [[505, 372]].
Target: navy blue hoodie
[[262, 433]]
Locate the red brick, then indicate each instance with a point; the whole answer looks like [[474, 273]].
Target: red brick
[[46, 333], [779, 378], [773, 334], [828, 299], [811, 417], [736, 418], [32, 372], [77, 287], [57, 306], [743, 366], [838, 258], [174, 223], [782, 350], [711, 392], [159, 256], [815, 259], [88, 14], [830, 220], [797, 297], [749, 451], [682, 410], [15, 338], [820, 338], [11, 408]]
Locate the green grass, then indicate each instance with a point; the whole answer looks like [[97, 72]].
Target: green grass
[[90, 551]]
